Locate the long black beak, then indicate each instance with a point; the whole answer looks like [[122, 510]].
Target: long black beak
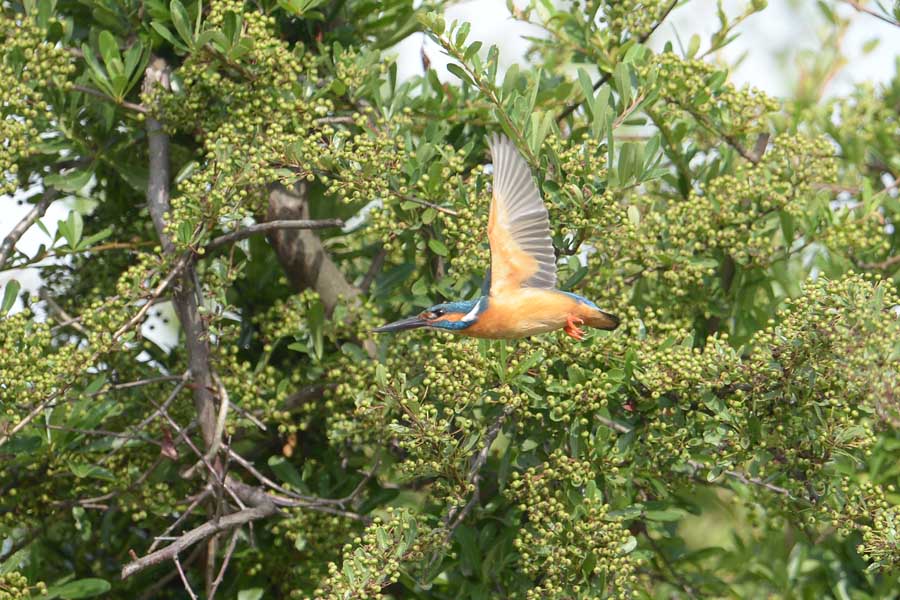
[[402, 325]]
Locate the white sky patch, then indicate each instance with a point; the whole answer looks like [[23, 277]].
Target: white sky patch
[[14, 208]]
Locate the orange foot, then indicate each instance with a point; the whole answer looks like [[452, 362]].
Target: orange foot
[[572, 329]]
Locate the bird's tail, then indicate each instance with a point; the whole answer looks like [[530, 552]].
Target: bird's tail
[[601, 320]]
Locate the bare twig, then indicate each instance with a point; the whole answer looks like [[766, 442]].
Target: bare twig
[[456, 515], [746, 480], [143, 382], [267, 226], [620, 427], [183, 261], [265, 508], [883, 265], [338, 119], [628, 110], [442, 209], [246, 464], [762, 142], [6, 248], [859, 7], [138, 108], [104, 432], [152, 591], [229, 551], [184, 580], [374, 269], [248, 415], [182, 381], [206, 493], [67, 319]]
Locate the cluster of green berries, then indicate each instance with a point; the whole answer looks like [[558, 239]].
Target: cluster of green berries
[[31, 67], [570, 542]]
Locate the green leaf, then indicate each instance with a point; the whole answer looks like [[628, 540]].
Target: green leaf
[[80, 588], [382, 538], [315, 320], [299, 7], [72, 182], [693, 46], [587, 88], [93, 239], [461, 34], [136, 59], [671, 514], [251, 594], [182, 22], [286, 472], [109, 51], [634, 215], [622, 79], [94, 386], [438, 247], [601, 113], [84, 470], [72, 229], [472, 50], [10, 293], [96, 70], [167, 35], [459, 72]]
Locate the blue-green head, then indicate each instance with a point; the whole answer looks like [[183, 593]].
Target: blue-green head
[[450, 316]]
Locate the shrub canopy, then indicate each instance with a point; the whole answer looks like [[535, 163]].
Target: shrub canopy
[[257, 171]]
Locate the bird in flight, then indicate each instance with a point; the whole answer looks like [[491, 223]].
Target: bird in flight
[[520, 298]]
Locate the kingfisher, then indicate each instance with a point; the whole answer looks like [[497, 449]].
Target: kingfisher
[[519, 298]]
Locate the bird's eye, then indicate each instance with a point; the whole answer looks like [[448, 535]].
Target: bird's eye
[[438, 313]]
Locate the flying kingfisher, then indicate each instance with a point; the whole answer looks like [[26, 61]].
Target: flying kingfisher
[[521, 296]]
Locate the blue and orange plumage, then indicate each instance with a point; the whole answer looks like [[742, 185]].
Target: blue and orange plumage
[[522, 299]]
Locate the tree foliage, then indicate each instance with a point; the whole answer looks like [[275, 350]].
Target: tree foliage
[[259, 167]]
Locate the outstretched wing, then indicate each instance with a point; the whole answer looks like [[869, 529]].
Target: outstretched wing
[[518, 225]]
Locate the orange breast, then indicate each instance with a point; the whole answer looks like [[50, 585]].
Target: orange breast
[[523, 312]]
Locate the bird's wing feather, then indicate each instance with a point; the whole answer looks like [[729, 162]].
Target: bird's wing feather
[[518, 225]]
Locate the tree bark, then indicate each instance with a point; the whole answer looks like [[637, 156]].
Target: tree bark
[[300, 251], [184, 296]]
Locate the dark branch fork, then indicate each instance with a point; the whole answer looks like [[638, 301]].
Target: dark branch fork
[[310, 267]]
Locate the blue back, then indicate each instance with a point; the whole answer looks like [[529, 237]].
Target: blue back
[[580, 299]]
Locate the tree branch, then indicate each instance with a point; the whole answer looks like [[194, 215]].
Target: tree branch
[[301, 252], [264, 508], [9, 243], [268, 226], [184, 297]]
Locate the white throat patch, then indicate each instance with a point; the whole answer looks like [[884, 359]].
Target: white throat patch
[[472, 314]]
